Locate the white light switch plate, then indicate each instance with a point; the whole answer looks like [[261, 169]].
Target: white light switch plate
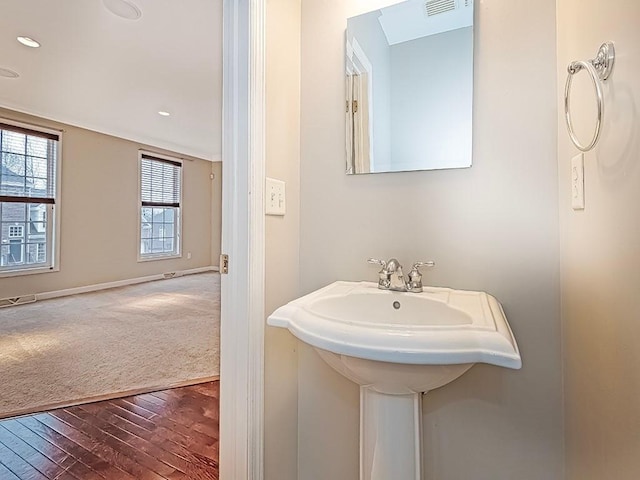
[[275, 197], [577, 182]]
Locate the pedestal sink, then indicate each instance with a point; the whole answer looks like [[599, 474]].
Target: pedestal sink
[[397, 346]]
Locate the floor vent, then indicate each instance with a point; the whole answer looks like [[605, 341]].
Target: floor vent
[[436, 7], [10, 302], [169, 275]]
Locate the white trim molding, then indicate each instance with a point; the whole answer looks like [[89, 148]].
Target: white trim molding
[[242, 302], [115, 132], [122, 283]]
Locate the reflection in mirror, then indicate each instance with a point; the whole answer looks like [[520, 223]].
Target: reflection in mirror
[[409, 87]]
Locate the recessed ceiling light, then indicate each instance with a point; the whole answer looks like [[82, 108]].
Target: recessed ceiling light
[[163, 113], [123, 9], [6, 73], [28, 42]]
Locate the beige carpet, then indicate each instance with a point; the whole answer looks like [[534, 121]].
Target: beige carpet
[[155, 334]]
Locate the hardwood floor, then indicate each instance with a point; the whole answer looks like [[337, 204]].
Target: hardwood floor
[[171, 434]]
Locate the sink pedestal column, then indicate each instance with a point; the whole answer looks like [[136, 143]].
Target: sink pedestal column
[[390, 435]]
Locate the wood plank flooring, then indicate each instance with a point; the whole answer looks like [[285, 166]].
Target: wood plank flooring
[[166, 435]]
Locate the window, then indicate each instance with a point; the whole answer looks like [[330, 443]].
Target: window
[[29, 163], [160, 197], [16, 231], [41, 252], [16, 252]]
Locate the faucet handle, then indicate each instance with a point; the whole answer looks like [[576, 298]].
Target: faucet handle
[[375, 261], [430, 263], [414, 283], [384, 277]]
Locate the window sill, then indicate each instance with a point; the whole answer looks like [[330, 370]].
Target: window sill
[[27, 271], [153, 258]]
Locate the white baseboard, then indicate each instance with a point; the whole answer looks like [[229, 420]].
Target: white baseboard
[[123, 283]]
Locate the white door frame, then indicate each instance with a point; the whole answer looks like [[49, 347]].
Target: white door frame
[[242, 299]]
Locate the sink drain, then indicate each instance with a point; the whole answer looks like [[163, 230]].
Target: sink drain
[[396, 305]]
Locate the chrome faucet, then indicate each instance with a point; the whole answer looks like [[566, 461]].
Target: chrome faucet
[[390, 277]]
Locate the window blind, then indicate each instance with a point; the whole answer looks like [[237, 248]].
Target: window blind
[[159, 182], [28, 160]]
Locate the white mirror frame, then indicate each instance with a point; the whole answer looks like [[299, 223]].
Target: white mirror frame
[[242, 297]]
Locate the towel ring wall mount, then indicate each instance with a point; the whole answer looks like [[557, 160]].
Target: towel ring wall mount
[[599, 69]]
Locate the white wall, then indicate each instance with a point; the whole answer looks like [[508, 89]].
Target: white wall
[[99, 213], [432, 101], [282, 235], [493, 227], [601, 248]]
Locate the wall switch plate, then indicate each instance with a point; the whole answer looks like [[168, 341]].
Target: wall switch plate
[[577, 182], [275, 197]]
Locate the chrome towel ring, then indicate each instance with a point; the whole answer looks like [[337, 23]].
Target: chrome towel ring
[[599, 69]]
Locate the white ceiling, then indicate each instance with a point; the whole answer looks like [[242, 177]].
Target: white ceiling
[[102, 72]]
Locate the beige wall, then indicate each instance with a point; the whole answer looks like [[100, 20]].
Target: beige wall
[[492, 227], [282, 234], [601, 248], [216, 214], [99, 213]]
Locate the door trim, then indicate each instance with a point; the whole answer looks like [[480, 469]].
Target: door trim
[[243, 239]]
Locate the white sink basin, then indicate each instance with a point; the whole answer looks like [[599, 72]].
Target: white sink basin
[[397, 345], [439, 326]]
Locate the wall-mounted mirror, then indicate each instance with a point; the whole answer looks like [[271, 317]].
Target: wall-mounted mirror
[[409, 87]]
